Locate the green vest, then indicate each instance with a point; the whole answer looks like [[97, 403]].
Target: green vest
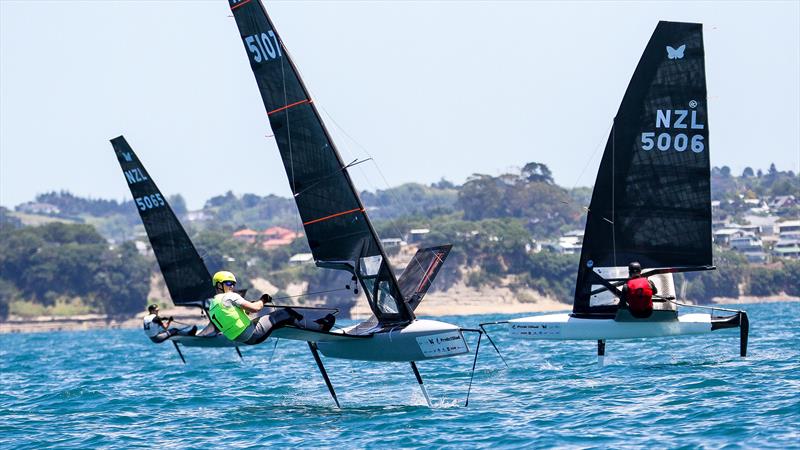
[[232, 321]]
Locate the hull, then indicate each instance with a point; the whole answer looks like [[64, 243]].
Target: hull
[[217, 341], [420, 340], [565, 327]]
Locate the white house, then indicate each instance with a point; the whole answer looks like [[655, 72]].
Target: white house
[[301, 258]]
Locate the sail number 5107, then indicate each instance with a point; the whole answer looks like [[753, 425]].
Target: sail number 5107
[[680, 142], [263, 47]]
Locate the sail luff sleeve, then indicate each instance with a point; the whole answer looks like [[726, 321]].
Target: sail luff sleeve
[[652, 201], [186, 276], [336, 224]]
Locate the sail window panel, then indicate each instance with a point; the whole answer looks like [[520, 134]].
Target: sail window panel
[[379, 294], [370, 266], [606, 298], [386, 302]]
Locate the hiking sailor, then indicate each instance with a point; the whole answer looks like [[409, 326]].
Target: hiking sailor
[[637, 293], [228, 311], [158, 331]]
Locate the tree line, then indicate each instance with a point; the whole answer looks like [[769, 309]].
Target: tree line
[[58, 262], [493, 222]]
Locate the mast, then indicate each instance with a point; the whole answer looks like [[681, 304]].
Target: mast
[[340, 234], [651, 201], [186, 276]]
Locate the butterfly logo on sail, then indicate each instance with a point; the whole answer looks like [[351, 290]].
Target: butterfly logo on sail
[[675, 53]]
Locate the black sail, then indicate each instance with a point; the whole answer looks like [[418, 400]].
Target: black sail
[[339, 233], [651, 201], [186, 275]]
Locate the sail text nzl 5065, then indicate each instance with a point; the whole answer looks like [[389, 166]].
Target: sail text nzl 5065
[[675, 119], [150, 201], [135, 175]]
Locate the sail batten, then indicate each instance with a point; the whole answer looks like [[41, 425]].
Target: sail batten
[[333, 216], [187, 278], [651, 201]]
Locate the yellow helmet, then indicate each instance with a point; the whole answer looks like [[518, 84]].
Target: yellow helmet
[[221, 276]]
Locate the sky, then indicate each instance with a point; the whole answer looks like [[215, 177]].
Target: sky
[[426, 89]]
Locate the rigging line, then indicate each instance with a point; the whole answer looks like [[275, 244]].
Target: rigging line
[[310, 293], [586, 166], [394, 197], [288, 122], [613, 187], [298, 224], [392, 223], [355, 162], [591, 157], [377, 167]]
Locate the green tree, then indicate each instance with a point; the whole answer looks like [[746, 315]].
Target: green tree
[[481, 197], [537, 173], [791, 277], [723, 282], [178, 204], [7, 220], [764, 281], [553, 274], [121, 282], [8, 293]]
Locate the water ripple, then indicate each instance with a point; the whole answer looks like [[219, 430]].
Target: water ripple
[[114, 389]]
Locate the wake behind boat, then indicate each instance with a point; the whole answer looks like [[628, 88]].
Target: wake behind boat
[[340, 234], [651, 205]]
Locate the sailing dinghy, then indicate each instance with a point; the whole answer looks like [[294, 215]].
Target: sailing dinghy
[[185, 274], [651, 204], [339, 232]]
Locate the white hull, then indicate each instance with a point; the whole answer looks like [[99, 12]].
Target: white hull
[[418, 341], [565, 327], [205, 341]]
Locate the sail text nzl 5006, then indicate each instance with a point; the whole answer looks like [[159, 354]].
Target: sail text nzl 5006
[[671, 121]]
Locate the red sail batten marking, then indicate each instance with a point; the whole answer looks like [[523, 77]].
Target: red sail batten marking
[[332, 216], [240, 5], [308, 100], [436, 263]]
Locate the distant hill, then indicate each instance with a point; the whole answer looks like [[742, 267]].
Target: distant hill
[[496, 223]]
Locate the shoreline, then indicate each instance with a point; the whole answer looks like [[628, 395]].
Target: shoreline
[[434, 308]]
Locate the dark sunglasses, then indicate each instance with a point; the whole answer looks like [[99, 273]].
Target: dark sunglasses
[[229, 283]]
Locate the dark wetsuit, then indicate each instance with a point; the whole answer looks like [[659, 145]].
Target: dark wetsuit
[[155, 329]]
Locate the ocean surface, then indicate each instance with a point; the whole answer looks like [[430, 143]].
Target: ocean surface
[[115, 389]]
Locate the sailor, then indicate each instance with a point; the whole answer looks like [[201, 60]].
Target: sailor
[[158, 331], [228, 311], [638, 292]]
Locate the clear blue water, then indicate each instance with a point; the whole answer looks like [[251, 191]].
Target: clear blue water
[[114, 389]]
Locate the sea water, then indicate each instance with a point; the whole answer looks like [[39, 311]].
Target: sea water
[[115, 389]]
